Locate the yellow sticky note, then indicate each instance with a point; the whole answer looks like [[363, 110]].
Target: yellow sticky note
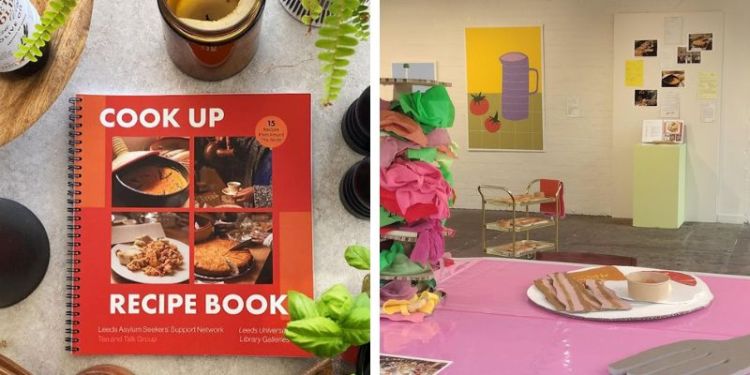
[[708, 85], [634, 73]]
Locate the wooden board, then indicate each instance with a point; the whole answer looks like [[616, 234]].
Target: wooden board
[[25, 100]]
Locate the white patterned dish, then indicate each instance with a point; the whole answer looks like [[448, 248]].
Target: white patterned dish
[[640, 310]]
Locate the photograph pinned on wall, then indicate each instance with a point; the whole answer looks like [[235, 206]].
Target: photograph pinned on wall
[[397, 365], [672, 78], [646, 48], [695, 57], [646, 98], [415, 70], [682, 55], [701, 42]]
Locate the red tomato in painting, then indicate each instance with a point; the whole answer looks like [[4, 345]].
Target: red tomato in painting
[[479, 104], [492, 123]]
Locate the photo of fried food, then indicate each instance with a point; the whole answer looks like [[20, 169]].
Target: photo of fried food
[[153, 257], [149, 248]]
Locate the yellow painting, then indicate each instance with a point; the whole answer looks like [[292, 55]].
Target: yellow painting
[[504, 72]]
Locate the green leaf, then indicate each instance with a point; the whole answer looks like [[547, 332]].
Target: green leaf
[[307, 20], [301, 306], [320, 336], [335, 303], [54, 17], [325, 43], [358, 257], [356, 326]]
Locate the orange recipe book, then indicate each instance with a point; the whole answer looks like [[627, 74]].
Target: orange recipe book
[[190, 221]]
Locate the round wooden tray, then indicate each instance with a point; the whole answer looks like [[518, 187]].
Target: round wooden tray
[[25, 100]]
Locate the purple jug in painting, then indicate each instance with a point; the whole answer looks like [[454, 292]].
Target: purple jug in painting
[[516, 93]]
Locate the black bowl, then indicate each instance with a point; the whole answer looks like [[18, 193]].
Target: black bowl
[[127, 196], [24, 248]]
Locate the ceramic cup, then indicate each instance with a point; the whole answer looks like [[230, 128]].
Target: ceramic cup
[[233, 187], [648, 286]]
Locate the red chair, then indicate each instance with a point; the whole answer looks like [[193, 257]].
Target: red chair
[[589, 258]]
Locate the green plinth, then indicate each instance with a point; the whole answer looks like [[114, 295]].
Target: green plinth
[[659, 186]]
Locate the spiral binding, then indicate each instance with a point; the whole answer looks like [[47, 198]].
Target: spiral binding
[[74, 244]]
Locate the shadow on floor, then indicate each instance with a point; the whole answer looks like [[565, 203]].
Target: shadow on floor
[[697, 247]]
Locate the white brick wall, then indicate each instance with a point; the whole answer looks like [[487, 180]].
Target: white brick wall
[[578, 62]]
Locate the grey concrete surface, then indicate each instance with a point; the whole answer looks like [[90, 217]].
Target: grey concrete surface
[[697, 247], [125, 54]]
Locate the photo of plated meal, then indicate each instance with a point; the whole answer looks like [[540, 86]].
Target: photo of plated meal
[[233, 247], [150, 171], [149, 248]]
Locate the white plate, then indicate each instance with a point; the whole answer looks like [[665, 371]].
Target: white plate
[[181, 274], [640, 310], [680, 293]]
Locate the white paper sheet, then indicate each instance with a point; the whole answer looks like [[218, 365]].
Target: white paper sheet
[[708, 112], [673, 30], [670, 104]]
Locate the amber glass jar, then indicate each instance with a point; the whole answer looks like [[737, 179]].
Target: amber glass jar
[[211, 39]]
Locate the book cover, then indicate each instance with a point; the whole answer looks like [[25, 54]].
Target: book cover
[[190, 220]]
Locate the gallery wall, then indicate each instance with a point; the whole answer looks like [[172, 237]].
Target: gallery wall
[[703, 135], [578, 49]]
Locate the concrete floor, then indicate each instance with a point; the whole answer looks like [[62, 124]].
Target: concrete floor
[[697, 247]]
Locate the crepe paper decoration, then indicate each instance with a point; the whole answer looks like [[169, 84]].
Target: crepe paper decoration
[[406, 184], [430, 245], [432, 109], [444, 166], [424, 303], [397, 289], [387, 256], [427, 154], [403, 126], [387, 218], [402, 266]]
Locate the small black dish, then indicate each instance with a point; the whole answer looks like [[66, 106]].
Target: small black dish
[[354, 189], [355, 125], [24, 250]]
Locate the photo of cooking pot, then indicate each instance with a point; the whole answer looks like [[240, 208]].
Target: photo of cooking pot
[[154, 176]]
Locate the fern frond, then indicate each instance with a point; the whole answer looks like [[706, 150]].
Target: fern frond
[[361, 21], [54, 16], [337, 38], [314, 10]]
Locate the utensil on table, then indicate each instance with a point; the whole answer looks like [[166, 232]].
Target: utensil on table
[[244, 244], [689, 357], [8, 367]]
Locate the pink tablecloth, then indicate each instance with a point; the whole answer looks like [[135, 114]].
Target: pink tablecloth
[[487, 325]]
